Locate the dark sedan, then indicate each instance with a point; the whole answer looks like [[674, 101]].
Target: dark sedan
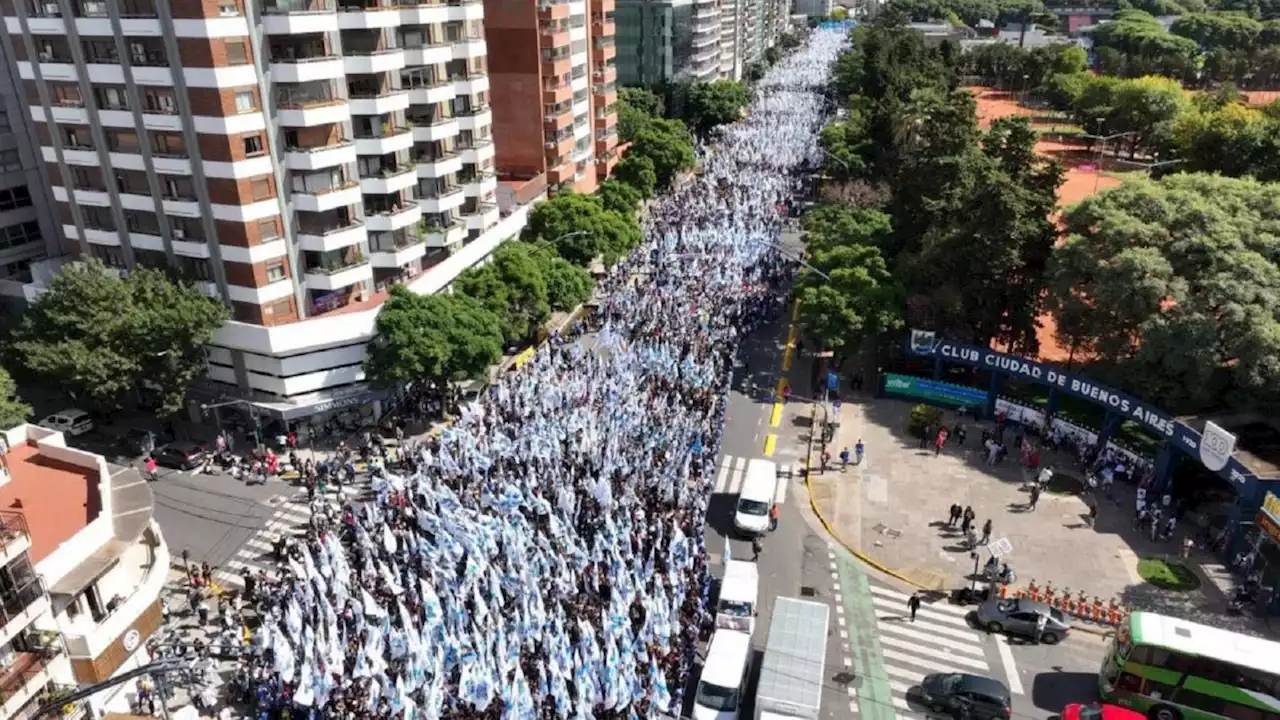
[[182, 455]]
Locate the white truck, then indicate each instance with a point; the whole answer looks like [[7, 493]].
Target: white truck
[[739, 588], [795, 654]]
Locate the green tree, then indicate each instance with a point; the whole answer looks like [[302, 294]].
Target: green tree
[[859, 298], [848, 148], [636, 107], [708, 105], [440, 338], [1175, 285], [99, 336], [510, 286], [581, 229], [638, 172], [831, 225], [1229, 31], [13, 411], [666, 143], [568, 285], [1137, 44], [620, 197]]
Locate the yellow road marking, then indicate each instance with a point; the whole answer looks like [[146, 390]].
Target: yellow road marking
[[770, 443], [795, 310], [776, 416]]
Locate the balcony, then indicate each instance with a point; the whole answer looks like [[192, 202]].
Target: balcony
[[481, 185], [374, 62], [397, 249], [553, 94], [339, 273], [328, 198], [298, 70], [474, 118], [555, 120], [440, 129], [434, 166], [606, 74], [485, 216], [391, 140], [558, 145], [18, 608], [14, 536], [605, 94], [468, 48], [389, 180], [606, 141], [327, 237], [443, 200], [549, 10], [318, 158], [367, 14], [445, 236], [383, 103], [556, 67], [29, 674], [471, 83], [605, 27], [554, 38], [430, 94], [427, 55], [401, 216], [300, 17], [603, 52]]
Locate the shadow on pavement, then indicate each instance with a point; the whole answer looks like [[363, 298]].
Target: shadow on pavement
[[1052, 690]]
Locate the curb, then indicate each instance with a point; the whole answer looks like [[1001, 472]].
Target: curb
[[813, 505]]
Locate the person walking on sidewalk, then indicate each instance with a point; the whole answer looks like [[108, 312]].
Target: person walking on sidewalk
[[756, 547], [925, 435], [1035, 497], [986, 532], [858, 450], [844, 459], [913, 604], [953, 516]]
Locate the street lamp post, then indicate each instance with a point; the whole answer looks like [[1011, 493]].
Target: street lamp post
[[1102, 141], [253, 412], [549, 243], [831, 155]]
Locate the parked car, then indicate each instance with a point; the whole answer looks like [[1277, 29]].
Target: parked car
[[72, 422], [1078, 711], [140, 441], [1021, 617], [182, 455], [960, 695]]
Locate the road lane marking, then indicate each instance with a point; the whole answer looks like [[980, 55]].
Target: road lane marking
[[722, 480], [913, 660], [770, 443], [1010, 670], [780, 497], [775, 417], [905, 631], [935, 607]]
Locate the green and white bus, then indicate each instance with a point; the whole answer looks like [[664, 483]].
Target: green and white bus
[[1171, 669]]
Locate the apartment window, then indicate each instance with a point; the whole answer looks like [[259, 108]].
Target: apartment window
[[141, 222], [253, 145], [147, 54], [9, 161], [86, 178], [194, 268], [101, 51], [4, 122], [168, 144], [246, 101], [184, 228], [76, 137], [261, 188], [228, 10], [15, 197], [159, 100], [112, 98], [236, 53], [93, 8], [98, 218], [16, 235], [122, 141], [67, 95], [132, 182], [276, 271], [177, 187], [279, 307], [111, 257], [268, 230]]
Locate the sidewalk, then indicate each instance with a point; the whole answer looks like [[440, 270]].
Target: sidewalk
[[892, 512]]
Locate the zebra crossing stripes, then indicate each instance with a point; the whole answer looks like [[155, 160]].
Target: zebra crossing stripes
[[733, 470], [254, 554], [939, 641]]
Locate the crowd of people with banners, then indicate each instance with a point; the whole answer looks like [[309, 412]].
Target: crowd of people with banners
[[544, 556]]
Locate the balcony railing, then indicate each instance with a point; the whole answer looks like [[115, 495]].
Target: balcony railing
[[347, 185], [388, 171], [428, 158], [334, 267], [300, 6], [399, 241], [325, 229], [13, 526], [14, 603], [471, 111]]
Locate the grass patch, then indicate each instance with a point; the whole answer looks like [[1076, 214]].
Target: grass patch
[[1064, 129], [1168, 574]]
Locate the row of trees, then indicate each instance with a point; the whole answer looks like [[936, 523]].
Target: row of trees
[[1167, 287], [951, 223]]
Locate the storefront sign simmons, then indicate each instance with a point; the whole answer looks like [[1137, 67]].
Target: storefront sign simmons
[[1269, 516]]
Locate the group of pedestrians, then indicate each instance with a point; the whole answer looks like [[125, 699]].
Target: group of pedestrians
[[544, 557]]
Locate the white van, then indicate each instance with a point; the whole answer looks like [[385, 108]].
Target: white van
[[724, 676], [736, 609], [756, 497]]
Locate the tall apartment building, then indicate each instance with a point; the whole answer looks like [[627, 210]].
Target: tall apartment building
[[655, 41], [730, 39], [705, 64], [82, 567], [553, 81], [292, 157], [27, 232]]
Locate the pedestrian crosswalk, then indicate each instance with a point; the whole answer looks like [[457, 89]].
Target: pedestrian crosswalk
[[256, 552], [733, 470], [940, 640]]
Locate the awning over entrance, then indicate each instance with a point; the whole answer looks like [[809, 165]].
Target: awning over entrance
[[97, 564]]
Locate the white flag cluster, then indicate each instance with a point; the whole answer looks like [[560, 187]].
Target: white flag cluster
[[548, 559]]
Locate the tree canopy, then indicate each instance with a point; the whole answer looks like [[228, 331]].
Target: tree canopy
[[620, 197], [101, 337], [581, 229], [638, 172], [13, 411], [1175, 284], [709, 105], [440, 338], [667, 144], [510, 286]]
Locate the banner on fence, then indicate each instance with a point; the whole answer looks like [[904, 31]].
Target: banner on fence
[[933, 391]]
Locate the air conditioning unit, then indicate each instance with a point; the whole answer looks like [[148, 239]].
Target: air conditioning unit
[[179, 233], [52, 10]]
